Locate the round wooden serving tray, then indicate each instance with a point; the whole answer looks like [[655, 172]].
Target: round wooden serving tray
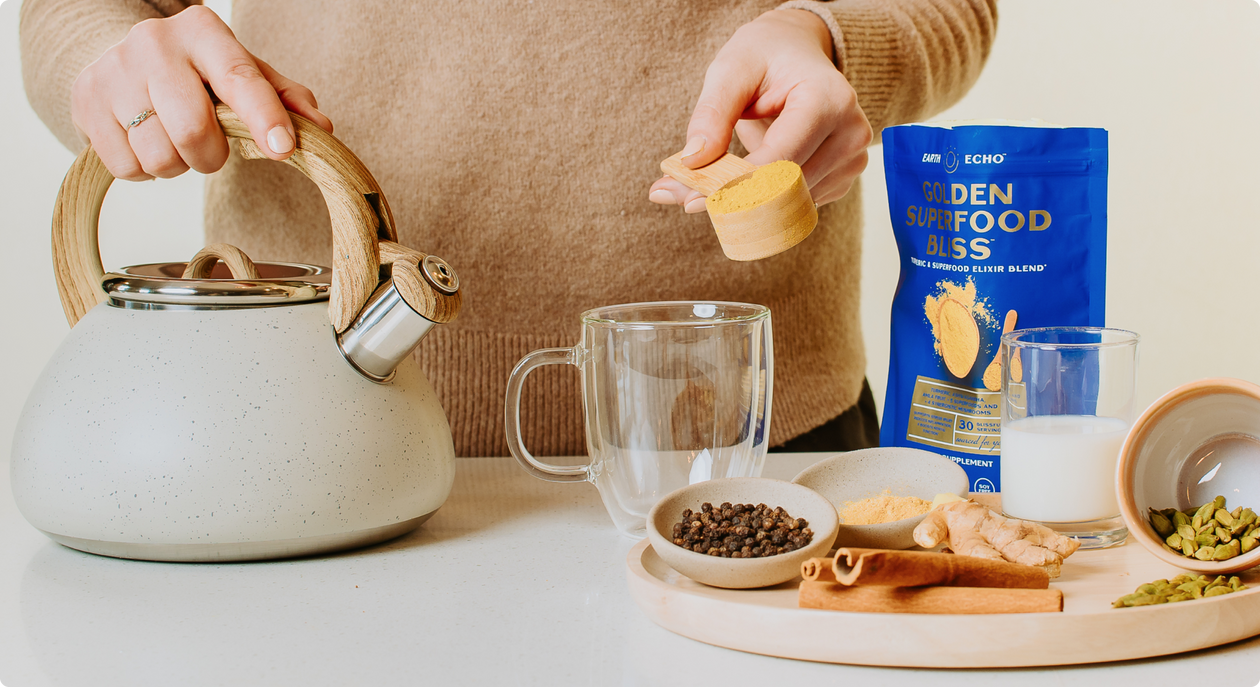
[[767, 621]]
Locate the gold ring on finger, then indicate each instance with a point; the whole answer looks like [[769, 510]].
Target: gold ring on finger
[[140, 118]]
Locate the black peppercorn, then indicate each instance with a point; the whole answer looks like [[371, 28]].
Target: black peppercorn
[[741, 531]]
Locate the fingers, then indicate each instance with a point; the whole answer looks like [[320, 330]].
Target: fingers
[[839, 181], [154, 150], [730, 85], [751, 132], [296, 97], [164, 65], [187, 114], [668, 191], [96, 119], [798, 130], [237, 80]]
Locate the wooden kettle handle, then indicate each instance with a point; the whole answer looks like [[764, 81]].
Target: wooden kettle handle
[[361, 219]]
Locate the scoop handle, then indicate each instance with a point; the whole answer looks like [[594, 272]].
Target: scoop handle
[[709, 178], [361, 219]]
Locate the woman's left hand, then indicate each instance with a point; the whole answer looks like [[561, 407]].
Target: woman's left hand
[[774, 85]]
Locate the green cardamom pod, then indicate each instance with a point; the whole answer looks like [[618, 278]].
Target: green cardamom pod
[[1237, 512], [1191, 588], [1188, 547], [1180, 519], [1186, 531], [1216, 591], [1248, 543], [1223, 553], [1127, 599], [1204, 553], [1238, 528], [1180, 596], [1223, 535], [1248, 516], [1197, 521], [1205, 539], [1218, 502], [1236, 584], [1146, 589], [1220, 580], [1173, 540], [1222, 516], [1162, 524]]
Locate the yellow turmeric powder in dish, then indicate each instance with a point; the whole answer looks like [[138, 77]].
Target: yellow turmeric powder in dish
[[882, 508], [765, 183]]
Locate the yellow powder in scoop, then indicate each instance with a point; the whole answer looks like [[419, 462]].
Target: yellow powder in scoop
[[765, 183], [883, 508]]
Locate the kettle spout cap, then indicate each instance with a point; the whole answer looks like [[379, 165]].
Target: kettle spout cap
[[419, 293]]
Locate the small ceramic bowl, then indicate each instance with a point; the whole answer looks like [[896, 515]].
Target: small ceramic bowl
[[857, 475], [741, 573], [1198, 441]]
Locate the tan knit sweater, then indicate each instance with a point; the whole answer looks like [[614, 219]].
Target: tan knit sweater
[[517, 140]]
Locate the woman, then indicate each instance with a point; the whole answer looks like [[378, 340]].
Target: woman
[[518, 140]]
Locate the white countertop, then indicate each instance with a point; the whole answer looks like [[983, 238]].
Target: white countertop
[[514, 582]]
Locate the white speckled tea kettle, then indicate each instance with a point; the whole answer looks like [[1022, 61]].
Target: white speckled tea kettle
[[188, 417]]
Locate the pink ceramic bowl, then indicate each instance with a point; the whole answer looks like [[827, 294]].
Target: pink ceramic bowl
[[1198, 441]]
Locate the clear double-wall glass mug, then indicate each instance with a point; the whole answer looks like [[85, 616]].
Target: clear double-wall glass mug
[[673, 393]]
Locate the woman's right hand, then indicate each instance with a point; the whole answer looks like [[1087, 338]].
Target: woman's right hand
[[164, 65]]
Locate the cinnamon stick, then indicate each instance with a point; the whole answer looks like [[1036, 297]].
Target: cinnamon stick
[[833, 596], [818, 570], [923, 568]]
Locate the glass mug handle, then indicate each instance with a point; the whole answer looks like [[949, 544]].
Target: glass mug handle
[[512, 416]]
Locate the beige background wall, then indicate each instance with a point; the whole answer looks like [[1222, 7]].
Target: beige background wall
[[1177, 82]]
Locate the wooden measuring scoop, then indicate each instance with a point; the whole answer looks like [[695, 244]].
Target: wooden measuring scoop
[[768, 227]]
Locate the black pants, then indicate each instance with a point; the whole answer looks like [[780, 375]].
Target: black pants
[[855, 428]]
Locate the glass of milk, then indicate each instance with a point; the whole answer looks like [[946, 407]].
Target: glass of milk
[[1067, 404]]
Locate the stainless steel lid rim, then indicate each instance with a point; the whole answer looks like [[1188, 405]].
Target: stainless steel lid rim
[[154, 285]]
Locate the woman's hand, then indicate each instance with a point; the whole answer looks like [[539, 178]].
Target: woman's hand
[[164, 65], [775, 85]]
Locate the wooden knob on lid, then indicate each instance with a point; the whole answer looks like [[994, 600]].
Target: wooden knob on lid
[[756, 212]]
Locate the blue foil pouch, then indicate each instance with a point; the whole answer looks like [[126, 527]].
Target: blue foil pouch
[[1000, 226]]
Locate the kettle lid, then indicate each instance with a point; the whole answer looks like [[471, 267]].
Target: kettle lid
[[158, 286]]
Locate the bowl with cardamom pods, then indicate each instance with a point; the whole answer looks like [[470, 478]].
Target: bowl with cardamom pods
[[882, 494], [1188, 477], [741, 532]]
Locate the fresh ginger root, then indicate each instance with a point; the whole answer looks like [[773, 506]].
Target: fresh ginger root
[[973, 530]]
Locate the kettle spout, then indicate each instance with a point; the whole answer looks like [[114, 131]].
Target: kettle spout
[[398, 315]]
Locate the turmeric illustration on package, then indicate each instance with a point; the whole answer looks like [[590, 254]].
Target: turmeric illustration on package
[[955, 313]]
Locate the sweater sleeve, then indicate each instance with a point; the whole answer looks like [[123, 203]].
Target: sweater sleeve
[[911, 59], [60, 37]]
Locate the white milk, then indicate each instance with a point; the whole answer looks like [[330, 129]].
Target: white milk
[[1061, 468]]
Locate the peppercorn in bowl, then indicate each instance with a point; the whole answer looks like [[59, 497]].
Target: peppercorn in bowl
[[754, 533]]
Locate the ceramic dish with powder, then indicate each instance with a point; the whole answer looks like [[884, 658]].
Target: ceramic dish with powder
[[858, 475]]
